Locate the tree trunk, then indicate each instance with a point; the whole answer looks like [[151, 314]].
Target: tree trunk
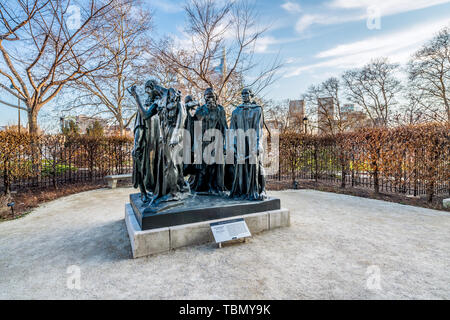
[[430, 191], [448, 112], [447, 105], [316, 164], [32, 121], [54, 173], [6, 177], [293, 171], [432, 177], [33, 130], [376, 182], [416, 179], [353, 170], [120, 123], [343, 168]]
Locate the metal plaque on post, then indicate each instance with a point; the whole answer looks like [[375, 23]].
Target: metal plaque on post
[[230, 230]]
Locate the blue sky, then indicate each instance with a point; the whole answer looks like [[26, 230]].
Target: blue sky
[[319, 39]]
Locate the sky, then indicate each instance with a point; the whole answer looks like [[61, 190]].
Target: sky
[[319, 39]]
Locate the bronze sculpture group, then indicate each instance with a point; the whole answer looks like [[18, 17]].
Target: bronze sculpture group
[[179, 149]]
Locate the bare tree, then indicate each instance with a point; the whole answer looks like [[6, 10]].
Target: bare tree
[[410, 111], [325, 100], [125, 33], [45, 45], [374, 88], [311, 98], [429, 77], [276, 114], [164, 74], [224, 32]]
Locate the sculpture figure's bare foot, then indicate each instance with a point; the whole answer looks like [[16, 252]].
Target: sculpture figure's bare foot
[[147, 197]]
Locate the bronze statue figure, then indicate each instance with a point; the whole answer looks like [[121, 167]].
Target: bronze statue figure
[[191, 106], [160, 127], [146, 136], [170, 184], [247, 124], [167, 168], [209, 175]]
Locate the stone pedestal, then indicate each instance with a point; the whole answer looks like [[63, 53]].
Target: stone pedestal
[[157, 240], [196, 208]]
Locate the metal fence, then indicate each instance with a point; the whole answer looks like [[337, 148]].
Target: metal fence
[[390, 162], [323, 164], [55, 161]]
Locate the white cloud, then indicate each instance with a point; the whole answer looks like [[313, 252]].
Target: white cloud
[[354, 10], [262, 44], [291, 60], [291, 7], [412, 36], [386, 7], [398, 47], [167, 6], [306, 21]]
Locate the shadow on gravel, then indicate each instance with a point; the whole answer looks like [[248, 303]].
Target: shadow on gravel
[[105, 243]]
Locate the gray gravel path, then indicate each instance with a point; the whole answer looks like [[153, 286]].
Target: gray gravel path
[[334, 248]]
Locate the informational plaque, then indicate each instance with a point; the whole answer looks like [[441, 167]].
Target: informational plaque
[[230, 230]]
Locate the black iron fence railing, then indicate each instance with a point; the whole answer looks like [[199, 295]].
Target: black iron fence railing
[[410, 160], [56, 160], [407, 160]]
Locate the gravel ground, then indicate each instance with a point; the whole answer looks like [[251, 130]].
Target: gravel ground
[[333, 250]]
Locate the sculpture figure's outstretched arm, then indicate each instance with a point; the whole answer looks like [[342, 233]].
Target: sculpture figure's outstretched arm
[[145, 114]]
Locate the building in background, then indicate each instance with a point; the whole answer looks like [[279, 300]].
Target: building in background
[[221, 69], [325, 115], [14, 127], [353, 119], [83, 123], [347, 108], [295, 115], [114, 130], [79, 123], [350, 118]]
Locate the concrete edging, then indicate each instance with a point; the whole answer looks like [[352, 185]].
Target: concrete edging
[[148, 242]]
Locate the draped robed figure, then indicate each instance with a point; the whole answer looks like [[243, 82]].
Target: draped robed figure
[[170, 183], [209, 174], [247, 122], [145, 150], [158, 158]]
